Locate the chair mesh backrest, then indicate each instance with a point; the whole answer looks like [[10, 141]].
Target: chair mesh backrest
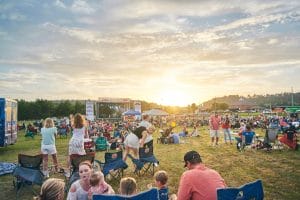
[[77, 159], [32, 162], [146, 152], [149, 194], [248, 137], [272, 134], [253, 191], [113, 156]]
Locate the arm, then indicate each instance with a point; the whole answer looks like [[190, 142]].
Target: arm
[[72, 195], [86, 134], [110, 190], [144, 135], [184, 189]]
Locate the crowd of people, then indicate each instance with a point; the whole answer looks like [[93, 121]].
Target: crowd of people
[[198, 182]]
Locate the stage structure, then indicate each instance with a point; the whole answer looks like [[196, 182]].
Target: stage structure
[[118, 104]]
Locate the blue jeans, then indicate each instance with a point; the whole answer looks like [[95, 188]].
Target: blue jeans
[[227, 134]]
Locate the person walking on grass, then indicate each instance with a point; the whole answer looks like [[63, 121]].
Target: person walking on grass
[[48, 132]]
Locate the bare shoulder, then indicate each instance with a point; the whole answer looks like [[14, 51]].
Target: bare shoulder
[[73, 188]]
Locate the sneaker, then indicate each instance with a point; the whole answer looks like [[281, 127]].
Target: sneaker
[[46, 174], [67, 174]]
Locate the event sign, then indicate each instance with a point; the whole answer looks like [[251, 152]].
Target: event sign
[[138, 106], [89, 107]]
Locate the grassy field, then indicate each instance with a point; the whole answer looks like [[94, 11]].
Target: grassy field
[[279, 170]]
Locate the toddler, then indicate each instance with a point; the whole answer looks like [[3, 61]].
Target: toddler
[[98, 185], [128, 186]]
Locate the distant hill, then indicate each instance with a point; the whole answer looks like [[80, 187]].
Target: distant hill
[[264, 101]]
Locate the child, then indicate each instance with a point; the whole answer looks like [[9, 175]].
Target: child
[[98, 185], [128, 186], [76, 144], [161, 179], [48, 132], [52, 189]]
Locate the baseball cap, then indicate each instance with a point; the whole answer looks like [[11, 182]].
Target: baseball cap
[[191, 156]]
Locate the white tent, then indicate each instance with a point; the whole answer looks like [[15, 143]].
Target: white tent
[[155, 112]]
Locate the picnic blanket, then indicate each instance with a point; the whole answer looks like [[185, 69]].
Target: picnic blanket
[[6, 168]]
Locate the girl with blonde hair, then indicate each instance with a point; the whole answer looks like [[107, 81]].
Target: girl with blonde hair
[[48, 132], [52, 189]]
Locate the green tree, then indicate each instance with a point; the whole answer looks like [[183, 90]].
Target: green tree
[[79, 107]]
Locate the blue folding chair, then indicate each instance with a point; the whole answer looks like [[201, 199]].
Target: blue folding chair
[[151, 194], [114, 165], [146, 162], [248, 139], [28, 173], [249, 191]]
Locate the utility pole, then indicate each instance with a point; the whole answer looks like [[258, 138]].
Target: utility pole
[[292, 96], [215, 105]]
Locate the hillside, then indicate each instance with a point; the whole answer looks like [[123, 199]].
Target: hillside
[[264, 101]]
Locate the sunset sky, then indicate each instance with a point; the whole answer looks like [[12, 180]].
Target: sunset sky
[[165, 51]]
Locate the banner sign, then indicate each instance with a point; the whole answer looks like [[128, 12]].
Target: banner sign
[[89, 108], [138, 106]]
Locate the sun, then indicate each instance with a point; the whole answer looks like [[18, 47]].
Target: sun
[[173, 97]]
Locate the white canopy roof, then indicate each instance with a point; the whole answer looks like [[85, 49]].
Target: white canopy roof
[[155, 112]]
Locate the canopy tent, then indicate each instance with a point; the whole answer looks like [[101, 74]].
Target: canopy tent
[[155, 112], [131, 112]]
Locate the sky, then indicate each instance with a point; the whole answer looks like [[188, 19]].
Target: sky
[[170, 52]]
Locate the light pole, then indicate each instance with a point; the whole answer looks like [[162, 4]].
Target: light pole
[[292, 97]]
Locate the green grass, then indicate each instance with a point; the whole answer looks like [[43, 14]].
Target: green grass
[[279, 170]]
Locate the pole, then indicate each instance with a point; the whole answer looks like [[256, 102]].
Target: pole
[[292, 97]]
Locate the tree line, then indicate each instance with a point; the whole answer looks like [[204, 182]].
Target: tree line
[[41, 109]]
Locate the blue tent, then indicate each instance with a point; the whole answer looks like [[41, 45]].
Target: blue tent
[[131, 112]]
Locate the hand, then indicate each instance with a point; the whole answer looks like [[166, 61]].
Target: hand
[[149, 186]]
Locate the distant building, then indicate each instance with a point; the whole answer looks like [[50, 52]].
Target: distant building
[[243, 104]]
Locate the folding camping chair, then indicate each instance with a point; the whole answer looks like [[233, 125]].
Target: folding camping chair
[[75, 160], [248, 139], [253, 191], [62, 132], [146, 162], [149, 194], [114, 165], [270, 141], [29, 134], [28, 173], [290, 138], [101, 144]]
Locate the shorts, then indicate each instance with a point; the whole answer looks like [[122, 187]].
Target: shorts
[[132, 141], [214, 133], [49, 149]]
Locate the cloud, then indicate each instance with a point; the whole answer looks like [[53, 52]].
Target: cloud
[[60, 4], [82, 7], [86, 49], [13, 16]]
